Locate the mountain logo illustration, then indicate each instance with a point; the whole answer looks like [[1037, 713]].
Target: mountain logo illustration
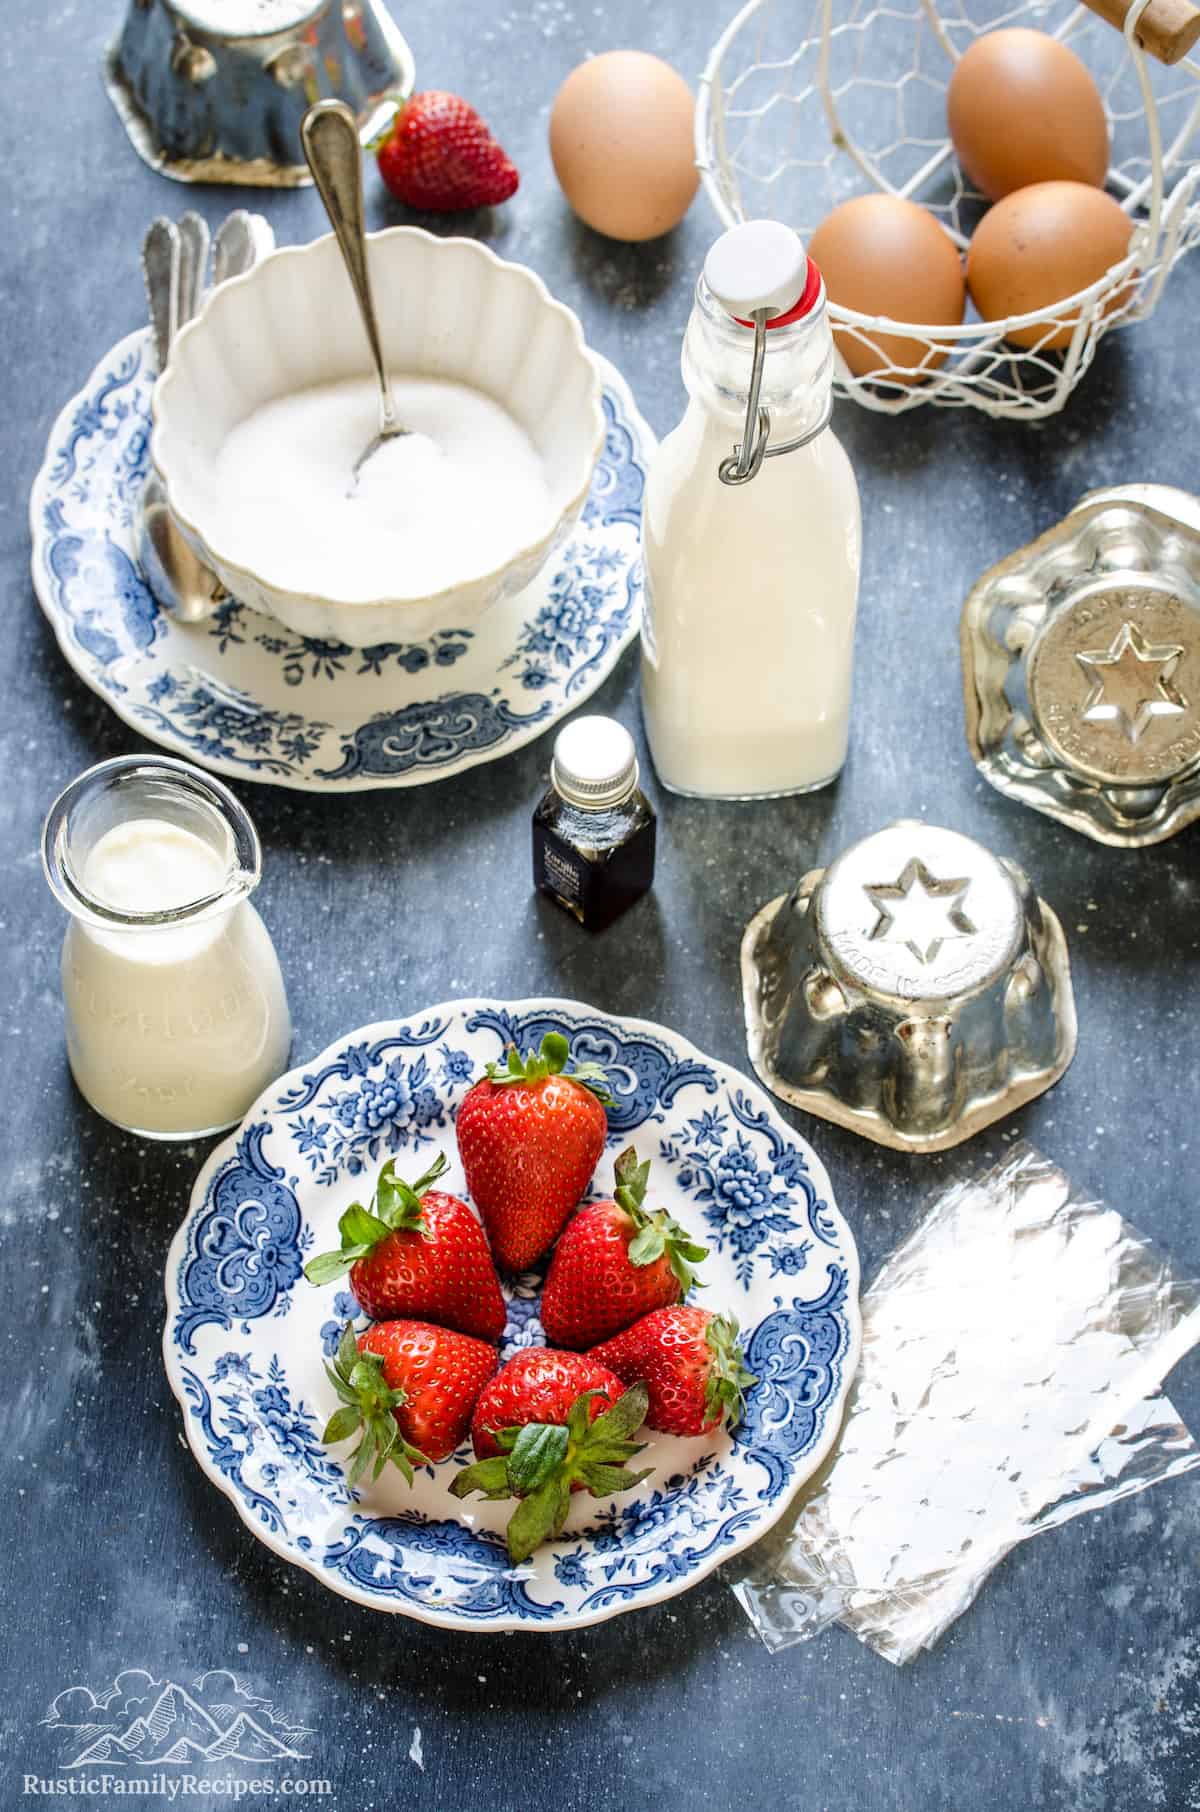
[[144, 1722]]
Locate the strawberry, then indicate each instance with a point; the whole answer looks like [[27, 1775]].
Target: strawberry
[[691, 1363], [418, 1253], [410, 1388], [549, 1424], [537, 1385], [439, 155], [529, 1138], [615, 1262]]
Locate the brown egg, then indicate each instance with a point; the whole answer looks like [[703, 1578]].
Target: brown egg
[[1039, 246], [621, 142], [1022, 108], [884, 256]]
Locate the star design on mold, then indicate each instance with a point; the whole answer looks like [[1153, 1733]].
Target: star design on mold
[[1132, 681], [919, 911]]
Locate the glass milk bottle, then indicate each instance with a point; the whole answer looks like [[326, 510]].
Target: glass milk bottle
[[176, 1014], [752, 560]]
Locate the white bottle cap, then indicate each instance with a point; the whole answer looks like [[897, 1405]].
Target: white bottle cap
[[759, 264], [595, 763]]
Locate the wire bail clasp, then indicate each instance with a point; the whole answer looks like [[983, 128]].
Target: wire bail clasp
[[745, 462], [758, 272]]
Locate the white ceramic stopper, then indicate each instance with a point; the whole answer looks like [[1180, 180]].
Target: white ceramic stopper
[[759, 264]]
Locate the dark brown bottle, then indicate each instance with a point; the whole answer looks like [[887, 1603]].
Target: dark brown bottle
[[594, 831]]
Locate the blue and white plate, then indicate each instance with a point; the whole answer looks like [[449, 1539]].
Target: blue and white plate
[[246, 697], [246, 1335]]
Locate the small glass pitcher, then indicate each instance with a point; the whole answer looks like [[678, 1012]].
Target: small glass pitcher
[[176, 1014]]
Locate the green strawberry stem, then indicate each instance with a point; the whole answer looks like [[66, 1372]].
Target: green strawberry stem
[[542, 1460], [728, 1379], [551, 1060], [367, 1404], [391, 122], [657, 1235], [395, 1207]]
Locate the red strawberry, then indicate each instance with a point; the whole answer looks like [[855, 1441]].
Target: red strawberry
[[439, 155], [529, 1138], [691, 1363], [614, 1262], [411, 1389], [417, 1252], [538, 1385], [548, 1424]]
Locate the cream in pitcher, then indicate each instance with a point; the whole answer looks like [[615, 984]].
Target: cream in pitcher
[[752, 561], [175, 1006]]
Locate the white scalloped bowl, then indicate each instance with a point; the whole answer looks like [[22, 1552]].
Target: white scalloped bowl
[[448, 308]]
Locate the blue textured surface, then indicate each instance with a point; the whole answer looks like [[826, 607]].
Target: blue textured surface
[[1072, 1685]]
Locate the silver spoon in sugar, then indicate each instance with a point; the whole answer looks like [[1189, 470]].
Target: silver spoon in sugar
[[329, 134]]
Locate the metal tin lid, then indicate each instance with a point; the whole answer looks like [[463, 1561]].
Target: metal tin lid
[[595, 763], [1081, 667], [914, 991], [1114, 681], [1167, 499], [918, 913]]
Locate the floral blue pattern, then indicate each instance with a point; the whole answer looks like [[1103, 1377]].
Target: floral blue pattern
[[244, 1247], [748, 1194], [254, 1393], [393, 1103], [586, 615], [660, 1539], [248, 697], [798, 1356], [309, 657], [415, 1560], [99, 414], [616, 495], [522, 1299], [267, 1446], [218, 727], [344, 1309], [133, 622], [429, 735]]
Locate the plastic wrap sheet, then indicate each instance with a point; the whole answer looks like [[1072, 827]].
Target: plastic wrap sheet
[[1013, 1349]]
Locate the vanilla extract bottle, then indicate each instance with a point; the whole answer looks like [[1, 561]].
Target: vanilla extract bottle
[[594, 830]]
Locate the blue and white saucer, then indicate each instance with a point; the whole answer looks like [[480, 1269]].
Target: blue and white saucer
[[246, 697], [246, 1336]]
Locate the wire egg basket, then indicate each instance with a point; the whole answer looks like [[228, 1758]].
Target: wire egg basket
[[805, 103]]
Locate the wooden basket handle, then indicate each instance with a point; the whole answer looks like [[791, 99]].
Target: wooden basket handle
[[1167, 29]]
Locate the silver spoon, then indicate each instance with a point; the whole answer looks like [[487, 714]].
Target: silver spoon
[[193, 262], [173, 262], [160, 270], [238, 244], [329, 134]]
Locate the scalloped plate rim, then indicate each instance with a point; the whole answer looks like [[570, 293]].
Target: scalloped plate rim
[[450, 1620], [76, 658]]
